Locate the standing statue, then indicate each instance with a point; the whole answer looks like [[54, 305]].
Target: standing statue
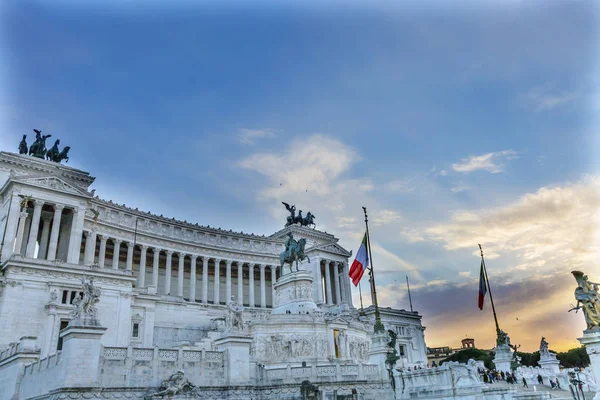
[[503, 338], [588, 300], [235, 320], [292, 218], [544, 352], [85, 306], [294, 252], [176, 384], [38, 148], [23, 145]]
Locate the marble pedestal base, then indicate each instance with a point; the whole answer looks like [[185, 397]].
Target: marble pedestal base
[[591, 341], [378, 352], [237, 347], [293, 294], [550, 364], [81, 353], [503, 358]]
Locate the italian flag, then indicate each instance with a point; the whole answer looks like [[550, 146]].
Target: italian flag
[[360, 264], [482, 287]]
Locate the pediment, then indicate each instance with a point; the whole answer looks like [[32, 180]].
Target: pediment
[[333, 248], [51, 182]]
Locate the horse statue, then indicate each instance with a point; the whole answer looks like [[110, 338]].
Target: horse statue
[[53, 153], [309, 220], [63, 155], [294, 252], [23, 145]]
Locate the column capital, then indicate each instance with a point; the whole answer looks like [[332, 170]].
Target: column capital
[[181, 254], [228, 262], [23, 214], [194, 257], [170, 252], [87, 233], [117, 241], [240, 263], [156, 249], [262, 266], [37, 203], [59, 207], [216, 260], [103, 238], [129, 243], [143, 247]]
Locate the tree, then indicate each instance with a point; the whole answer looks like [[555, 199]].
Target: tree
[[576, 357], [529, 359], [465, 355]]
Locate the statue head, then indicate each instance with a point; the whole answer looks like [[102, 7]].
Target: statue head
[[57, 142]]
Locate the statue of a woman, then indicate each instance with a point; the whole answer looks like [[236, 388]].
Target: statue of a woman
[[588, 300]]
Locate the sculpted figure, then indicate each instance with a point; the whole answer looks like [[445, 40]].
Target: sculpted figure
[[23, 145], [174, 385], [53, 153], [503, 338], [235, 319], [292, 218], [544, 352], [38, 148], [294, 252], [86, 306], [588, 300]]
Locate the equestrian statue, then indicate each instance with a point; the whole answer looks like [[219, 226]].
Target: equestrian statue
[[298, 219], [294, 252]]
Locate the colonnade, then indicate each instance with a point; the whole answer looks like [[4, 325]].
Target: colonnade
[[203, 273], [58, 238], [334, 285]]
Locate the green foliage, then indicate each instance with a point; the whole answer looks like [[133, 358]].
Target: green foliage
[[576, 357], [464, 355], [529, 359]]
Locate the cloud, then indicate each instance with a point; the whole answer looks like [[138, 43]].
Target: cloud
[[385, 217], [542, 99], [458, 189], [491, 162], [250, 136], [554, 228]]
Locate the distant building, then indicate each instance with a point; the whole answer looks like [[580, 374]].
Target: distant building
[[437, 354]]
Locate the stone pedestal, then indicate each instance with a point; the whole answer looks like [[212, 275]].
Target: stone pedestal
[[550, 364], [378, 352], [81, 352], [591, 340], [237, 348], [293, 294], [503, 358]]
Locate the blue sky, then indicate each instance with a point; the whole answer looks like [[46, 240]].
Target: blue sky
[[454, 122]]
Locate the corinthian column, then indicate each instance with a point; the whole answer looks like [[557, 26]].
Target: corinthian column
[[217, 297], [250, 284], [21, 232], [129, 263], [45, 237], [142, 276], [193, 278], [240, 283], [168, 272], [263, 292], [102, 250], [328, 283], [35, 226], [58, 209], [90, 247], [227, 281], [116, 253], [180, 274], [204, 279], [156, 257], [273, 281], [336, 276]]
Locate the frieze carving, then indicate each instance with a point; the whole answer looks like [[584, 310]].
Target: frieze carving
[[51, 183], [358, 348], [67, 275], [276, 347]]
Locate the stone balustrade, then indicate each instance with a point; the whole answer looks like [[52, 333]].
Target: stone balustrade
[[322, 373]]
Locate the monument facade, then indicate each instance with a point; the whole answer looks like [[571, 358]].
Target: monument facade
[[154, 306]]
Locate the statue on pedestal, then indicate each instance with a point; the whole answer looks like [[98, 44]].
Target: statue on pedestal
[[235, 320], [85, 306], [294, 252], [544, 352], [588, 300]]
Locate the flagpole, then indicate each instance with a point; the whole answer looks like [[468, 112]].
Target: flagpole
[[487, 281], [378, 325], [409, 298], [360, 294]]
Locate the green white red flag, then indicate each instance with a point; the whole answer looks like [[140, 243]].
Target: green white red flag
[[482, 287], [360, 264]]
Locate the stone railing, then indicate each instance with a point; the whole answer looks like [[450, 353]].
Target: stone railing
[[143, 367], [42, 364], [321, 373]]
